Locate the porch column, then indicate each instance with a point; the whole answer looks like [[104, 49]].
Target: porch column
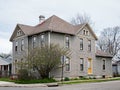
[[2, 70], [8, 70]]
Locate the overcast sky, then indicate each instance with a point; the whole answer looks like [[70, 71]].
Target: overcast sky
[[105, 13]]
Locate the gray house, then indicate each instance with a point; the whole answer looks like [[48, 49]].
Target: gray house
[[80, 39], [116, 68], [5, 66]]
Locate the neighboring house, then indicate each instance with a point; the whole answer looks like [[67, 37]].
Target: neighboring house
[[5, 66], [116, 68], [80, 39]]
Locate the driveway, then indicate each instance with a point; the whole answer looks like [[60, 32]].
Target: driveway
[[111, 85]]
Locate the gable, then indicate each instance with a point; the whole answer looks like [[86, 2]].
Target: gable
[[17, 33], [86, 31]]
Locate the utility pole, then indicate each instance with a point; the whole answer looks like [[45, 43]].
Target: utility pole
[[62, 62]]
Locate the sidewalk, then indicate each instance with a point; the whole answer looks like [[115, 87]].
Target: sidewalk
[[11, 84]]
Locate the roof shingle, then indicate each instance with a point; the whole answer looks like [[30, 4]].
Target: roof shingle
[[100, 53], [54, 24]]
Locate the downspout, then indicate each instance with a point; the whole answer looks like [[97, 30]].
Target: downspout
[[49, 39], [49, 47]]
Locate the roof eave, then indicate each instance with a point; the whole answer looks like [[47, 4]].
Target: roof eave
[[104, 56]]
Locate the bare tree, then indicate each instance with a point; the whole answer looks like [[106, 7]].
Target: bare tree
[[109, 40], [45, 59], [81, 19]]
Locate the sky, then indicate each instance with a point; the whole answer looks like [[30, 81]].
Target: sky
[[104, 13]]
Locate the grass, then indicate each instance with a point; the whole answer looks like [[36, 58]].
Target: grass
[[28, 81], [6, 79], [34, 81], [89, 81], [52, 80]]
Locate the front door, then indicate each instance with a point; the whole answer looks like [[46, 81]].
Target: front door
[[89, 66]]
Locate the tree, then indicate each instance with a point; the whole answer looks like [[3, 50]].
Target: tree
[[81, 19], [45, 59], [109, 40]]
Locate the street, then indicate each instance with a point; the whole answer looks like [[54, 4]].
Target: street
[[111, 85]]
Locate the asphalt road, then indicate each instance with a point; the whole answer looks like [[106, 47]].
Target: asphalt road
[[111, 85]]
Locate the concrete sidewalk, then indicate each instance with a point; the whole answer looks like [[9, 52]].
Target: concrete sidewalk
[[12, 84]]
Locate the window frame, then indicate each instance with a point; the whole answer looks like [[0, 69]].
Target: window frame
[[42, 40], [34, 41], [81, 43], [67, 64], [16, 46], [103, 64], [89, 45], [81, 64], [67, 41], [22, 45]]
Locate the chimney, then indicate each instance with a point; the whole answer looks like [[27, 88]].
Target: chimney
[[41, 18]]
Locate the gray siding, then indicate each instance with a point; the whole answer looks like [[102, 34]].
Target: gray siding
[[99, 67], [76, 53]]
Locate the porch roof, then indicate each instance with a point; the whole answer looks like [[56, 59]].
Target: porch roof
[[3, 62]]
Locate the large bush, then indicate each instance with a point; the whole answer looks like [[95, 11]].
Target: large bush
[[23, 74]]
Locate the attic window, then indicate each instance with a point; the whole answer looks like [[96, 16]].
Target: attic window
[[19, 32], [85, 32]]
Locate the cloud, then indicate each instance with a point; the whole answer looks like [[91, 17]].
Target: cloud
[[103, 12], [5, 46]]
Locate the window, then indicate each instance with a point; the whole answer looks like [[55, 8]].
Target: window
[[22, 44], [42, 40], [103, 64], [81, 44], [21, 63], [16, 46], [67, 62], [67, 41], [89, 45], [81, 64], [16, 69], [85, 32], [19, 32], [34, 41]]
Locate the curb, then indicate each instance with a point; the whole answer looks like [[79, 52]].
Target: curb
[[23, 85], [30, 85]]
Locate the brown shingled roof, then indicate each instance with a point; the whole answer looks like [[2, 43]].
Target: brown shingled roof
[[54, 24], [100, 53]]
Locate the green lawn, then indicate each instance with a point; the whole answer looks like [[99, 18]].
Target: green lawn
[[6, 79], [89, 81], [28, 81], [64, 82]]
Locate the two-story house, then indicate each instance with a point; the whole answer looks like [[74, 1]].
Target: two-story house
[[80, 39]]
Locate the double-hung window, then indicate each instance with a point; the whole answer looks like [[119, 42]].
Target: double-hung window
[[22, 44], [89, 45], [42, 40], [34, 41], [81, 44], [67, 62], [103, 64], [67, 42], [16, 46], [81, 64]]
